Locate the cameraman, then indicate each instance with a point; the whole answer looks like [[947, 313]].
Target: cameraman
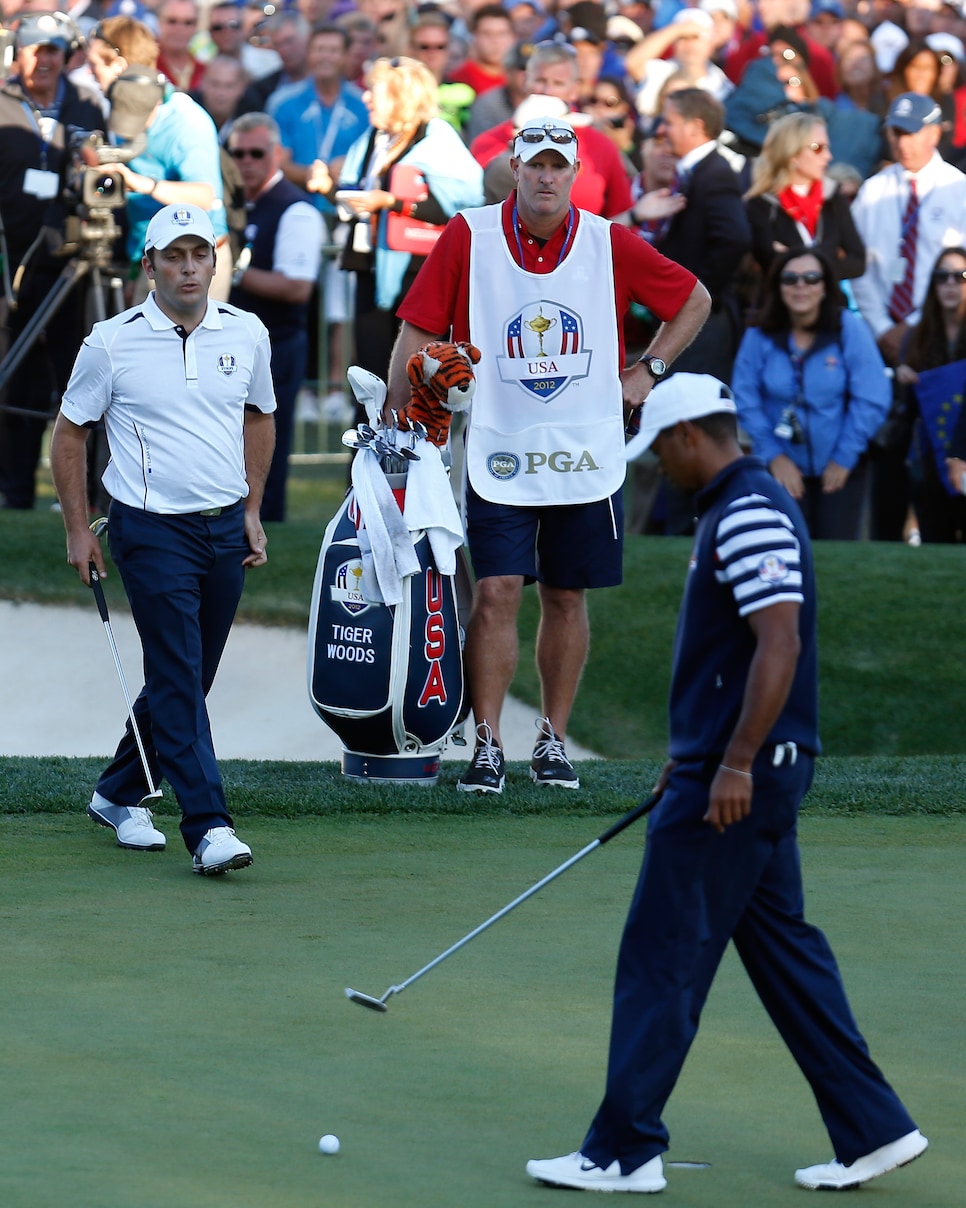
[[37, 105], [181, 162]]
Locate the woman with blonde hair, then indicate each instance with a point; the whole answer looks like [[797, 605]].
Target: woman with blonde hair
[[409, 170], [791, 203]]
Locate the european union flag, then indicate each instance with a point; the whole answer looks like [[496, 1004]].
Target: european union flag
[[940, 394]]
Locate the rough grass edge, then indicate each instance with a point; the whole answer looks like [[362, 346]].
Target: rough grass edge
[[888, 786]]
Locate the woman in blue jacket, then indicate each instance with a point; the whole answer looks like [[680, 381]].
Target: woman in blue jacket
[[812, 390]]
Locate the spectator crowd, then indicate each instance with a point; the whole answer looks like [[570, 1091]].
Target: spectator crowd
[[805, 159]]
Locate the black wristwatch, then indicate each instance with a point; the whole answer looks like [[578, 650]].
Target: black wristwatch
[[655, 366]]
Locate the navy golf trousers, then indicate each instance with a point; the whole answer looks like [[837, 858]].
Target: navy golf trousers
[[697, 890], [184, 577]]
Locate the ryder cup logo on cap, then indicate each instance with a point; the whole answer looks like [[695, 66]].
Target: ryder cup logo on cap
[[683, 396], [546, 133], [911, 111], [172, 222]]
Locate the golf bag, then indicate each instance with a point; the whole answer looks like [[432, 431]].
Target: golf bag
[[387, 678]]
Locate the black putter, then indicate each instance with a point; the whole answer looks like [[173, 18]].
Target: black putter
[[98, 528], [379, 1004]]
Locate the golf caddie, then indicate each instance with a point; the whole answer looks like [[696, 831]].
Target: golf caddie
[[722, 861], [184, 387], [541, 288]]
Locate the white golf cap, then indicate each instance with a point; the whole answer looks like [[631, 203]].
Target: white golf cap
[[546, 133], [728, 7], [172, 222], [537, 107], [946, 44], [681, 396]]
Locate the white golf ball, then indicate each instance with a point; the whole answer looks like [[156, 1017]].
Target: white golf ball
[[328, 1144]]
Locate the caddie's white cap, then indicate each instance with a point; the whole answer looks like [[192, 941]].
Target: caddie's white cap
[[172, 222], [546, 133], [681, 396]]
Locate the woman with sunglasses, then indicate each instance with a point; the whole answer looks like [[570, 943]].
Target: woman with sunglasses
[[938, 339], [811, 390], [413, 164], [611, 107], [792, 204]]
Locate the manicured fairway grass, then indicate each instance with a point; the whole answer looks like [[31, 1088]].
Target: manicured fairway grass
[[173, 1042]]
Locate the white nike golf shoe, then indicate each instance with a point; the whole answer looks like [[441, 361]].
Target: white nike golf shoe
[[574, 1170], [219, 851], [833, 1176], [132, 824]]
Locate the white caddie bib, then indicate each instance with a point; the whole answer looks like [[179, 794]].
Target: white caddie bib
[[546, 426]]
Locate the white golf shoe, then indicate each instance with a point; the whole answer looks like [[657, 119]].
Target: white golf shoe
[[219, 851], [132, 824], [574, 1170], [833, 1176]]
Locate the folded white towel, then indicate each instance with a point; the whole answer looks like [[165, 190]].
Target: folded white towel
[[385, 543], [430, 506]]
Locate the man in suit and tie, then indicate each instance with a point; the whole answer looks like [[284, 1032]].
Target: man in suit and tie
[[709, 236], [906, 214]]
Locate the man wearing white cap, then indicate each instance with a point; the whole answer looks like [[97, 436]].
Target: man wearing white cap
[[721, 861], [690, 39], [906, 214], [184, 387], [541, 287]]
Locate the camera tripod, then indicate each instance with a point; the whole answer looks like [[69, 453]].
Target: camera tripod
[[90, 241]]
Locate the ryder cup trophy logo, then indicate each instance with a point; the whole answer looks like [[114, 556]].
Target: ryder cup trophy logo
[[545, 350], [347, 589]]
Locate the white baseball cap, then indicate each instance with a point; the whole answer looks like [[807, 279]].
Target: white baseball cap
[[681, 396], [172, 222], [546, 133], [728, 7]]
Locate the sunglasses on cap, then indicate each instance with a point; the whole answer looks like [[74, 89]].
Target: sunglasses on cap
[[942, 276], [554, 134], [248, 152], [812, 278]]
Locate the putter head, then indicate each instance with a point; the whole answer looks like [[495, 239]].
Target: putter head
[[154, 795], [365, 1000]]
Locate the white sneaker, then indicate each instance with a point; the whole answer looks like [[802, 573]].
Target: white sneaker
[[574, 1170], [833, 1176], [132, 824], [220, 850]]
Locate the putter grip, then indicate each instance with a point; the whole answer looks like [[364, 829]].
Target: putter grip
[[630, 817], [98, 591]]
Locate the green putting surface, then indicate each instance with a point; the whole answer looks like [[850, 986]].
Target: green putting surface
[[177, 1042]]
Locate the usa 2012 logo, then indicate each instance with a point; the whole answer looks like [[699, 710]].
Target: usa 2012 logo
[[545, 351]]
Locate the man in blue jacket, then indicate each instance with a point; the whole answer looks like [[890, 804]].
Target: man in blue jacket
[[722, 859]]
